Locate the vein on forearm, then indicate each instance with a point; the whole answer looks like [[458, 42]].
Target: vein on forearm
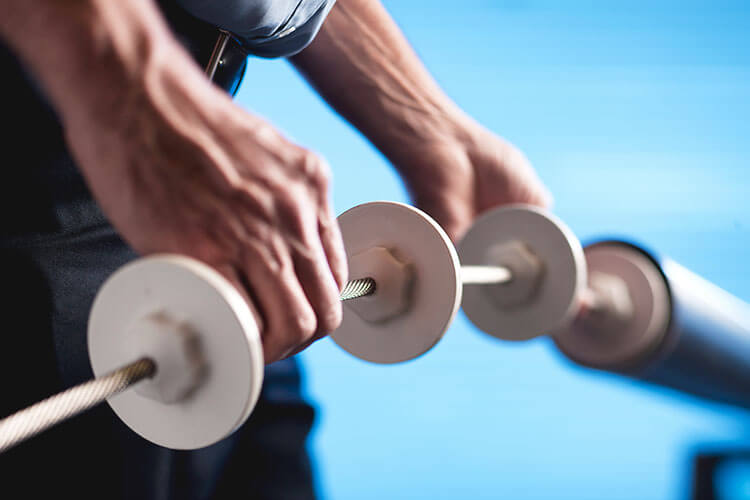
[[364, 67]]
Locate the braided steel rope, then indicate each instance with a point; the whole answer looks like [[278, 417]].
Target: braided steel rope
[[49, 412], [358, 288], [39, 417]]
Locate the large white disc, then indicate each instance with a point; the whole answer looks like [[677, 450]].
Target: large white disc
[[435, 291], [563, 277], [637, 338], [227, 333]]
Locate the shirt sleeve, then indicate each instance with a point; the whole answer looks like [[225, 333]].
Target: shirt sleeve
[[265, 28]]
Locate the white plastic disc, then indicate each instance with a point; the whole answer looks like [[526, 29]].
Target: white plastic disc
[[435, 293], [227, 333], [644, 330], [555, 300]]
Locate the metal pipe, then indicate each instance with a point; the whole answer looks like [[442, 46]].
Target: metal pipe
[[685, 333]]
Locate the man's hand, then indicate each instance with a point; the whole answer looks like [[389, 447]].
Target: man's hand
[[457, 179], [177, 167], [362, 65]]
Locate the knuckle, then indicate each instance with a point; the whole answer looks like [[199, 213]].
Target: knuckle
[[331, 230], [296, 213], [332, 239], [265, 133], [323, 172], [296, 229], [289, 201], [304, 324], [315, 168], [331, 316], [291, 332]]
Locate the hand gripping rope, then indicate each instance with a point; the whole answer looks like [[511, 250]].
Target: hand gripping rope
[[177, 351]]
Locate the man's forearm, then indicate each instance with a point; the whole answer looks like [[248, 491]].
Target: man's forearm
[[363, 66], [83, 51]]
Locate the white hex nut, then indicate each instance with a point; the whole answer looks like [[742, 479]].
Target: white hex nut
[[393, 282], [175, 348], [615, 306], [527, 271]]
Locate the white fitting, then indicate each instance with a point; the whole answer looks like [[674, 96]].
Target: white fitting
[[485, 275], [434, 291], [175, 349], [144, 309], [548, 268], [393, 280], [613, 344], [526, 273], [609, 306]]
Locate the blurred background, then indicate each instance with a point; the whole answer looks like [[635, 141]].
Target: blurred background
[[636, 116]]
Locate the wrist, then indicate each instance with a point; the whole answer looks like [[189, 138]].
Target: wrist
[[411, 141]]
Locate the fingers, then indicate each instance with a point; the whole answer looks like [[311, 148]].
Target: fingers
[[294, 261], [542, 197], [236, 278], [333, 246], [328, 227], [529, 189], [321, 266], [291, 288], [289, 317], [458, 184], [315, 275], [452, 213], [522, 183], [301, 348]]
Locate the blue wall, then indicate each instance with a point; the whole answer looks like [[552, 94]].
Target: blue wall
[[636, 115]]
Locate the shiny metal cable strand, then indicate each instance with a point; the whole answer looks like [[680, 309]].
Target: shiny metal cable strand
[[358, 288], [39, 417], [49, 412]]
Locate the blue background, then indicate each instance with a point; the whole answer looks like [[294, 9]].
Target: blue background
[[636, 116]]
